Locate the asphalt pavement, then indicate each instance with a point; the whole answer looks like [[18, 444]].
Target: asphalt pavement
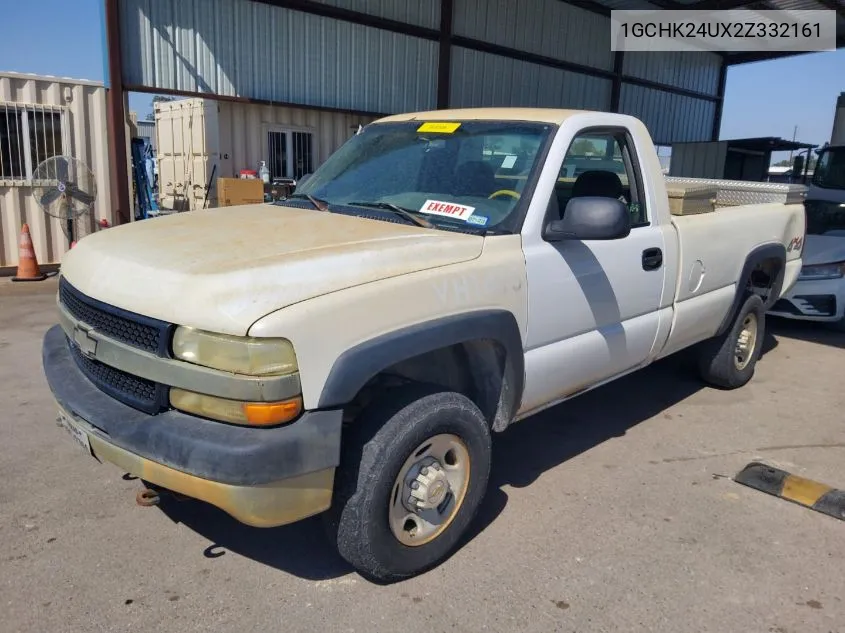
[[613, 512]]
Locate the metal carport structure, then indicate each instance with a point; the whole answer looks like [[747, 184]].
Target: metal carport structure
[[381, 56]]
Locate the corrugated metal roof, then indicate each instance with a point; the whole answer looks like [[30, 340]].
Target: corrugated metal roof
[[736, 57], [254, 50], [545, 27], [482, 79], [669, 117], [419, 12], [691, 71]]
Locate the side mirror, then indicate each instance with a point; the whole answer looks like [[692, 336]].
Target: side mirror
[[590, 218]]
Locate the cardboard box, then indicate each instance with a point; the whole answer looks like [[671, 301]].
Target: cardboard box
[[235, 191]]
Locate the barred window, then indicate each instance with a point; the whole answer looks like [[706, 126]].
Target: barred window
[[29, 134]]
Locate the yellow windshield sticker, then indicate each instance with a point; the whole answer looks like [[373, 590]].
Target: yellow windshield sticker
[[439, 127]]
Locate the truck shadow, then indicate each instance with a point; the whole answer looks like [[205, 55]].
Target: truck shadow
[[520, 455]]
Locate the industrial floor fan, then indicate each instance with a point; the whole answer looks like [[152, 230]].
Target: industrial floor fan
[[64, 187]]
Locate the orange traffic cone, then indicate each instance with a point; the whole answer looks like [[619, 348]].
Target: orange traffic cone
[[28, 269]]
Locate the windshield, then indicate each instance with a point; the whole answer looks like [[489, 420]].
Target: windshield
[[464, 174], [830, 169]]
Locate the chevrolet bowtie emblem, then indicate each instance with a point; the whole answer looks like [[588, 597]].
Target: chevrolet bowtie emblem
[[84, 341]]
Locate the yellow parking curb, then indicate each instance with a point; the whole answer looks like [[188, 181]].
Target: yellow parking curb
[[806, 492]]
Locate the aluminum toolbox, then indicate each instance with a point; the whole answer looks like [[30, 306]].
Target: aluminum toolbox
[[732, 193], [690, 199]]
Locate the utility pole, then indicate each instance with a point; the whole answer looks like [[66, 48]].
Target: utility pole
[[794, 135]]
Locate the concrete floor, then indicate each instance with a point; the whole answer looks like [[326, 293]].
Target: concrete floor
[[614, 512]]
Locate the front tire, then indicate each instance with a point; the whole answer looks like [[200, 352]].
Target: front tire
[[413, 472], [728, 361]]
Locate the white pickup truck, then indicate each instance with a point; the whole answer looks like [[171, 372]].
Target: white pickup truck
[[352, 350]]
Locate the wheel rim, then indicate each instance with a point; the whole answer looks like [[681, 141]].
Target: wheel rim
[[429, 490], [746, 342]]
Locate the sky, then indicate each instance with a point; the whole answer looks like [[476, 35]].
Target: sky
[[762, 99]]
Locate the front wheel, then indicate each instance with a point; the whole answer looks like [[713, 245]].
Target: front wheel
[[728, 360], [413, 472]]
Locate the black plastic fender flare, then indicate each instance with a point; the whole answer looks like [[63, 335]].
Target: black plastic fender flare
[[357, 365], [759, 254]]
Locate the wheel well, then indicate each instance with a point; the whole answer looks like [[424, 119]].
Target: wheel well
[[766, 278], [476, 369]]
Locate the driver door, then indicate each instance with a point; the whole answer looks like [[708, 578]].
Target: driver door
[[593, 305]]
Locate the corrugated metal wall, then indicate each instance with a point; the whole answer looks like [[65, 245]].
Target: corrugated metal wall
[[259, 51], [418, 12], [545, 27], [84, 123], [669, 117], [254, 50], [691, 71], [698, 160], [481, 79]]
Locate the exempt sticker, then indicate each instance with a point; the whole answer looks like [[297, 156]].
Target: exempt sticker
[[449, 209]]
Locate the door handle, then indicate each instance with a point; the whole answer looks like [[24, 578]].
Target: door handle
[[652, 258]]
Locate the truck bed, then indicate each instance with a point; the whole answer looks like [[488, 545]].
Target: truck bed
[[712, 248]]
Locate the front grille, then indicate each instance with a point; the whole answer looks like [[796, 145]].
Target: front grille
[[139, 393], [127, 327]]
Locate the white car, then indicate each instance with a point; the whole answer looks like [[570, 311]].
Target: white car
[[819, 293]]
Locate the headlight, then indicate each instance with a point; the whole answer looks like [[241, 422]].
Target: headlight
[[237, 354], [822, 271]]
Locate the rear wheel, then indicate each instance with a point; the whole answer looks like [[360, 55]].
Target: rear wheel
[[413, 472], [728, 360]]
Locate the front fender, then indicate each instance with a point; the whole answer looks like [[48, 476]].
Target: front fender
[[357, 365]]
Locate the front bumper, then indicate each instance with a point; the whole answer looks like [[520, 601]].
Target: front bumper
[[813, 300], [261, 476]]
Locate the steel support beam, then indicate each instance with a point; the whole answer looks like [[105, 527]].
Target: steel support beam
[[616, 87], [720, 104], [835, 5], [116, 119], [444, 58]]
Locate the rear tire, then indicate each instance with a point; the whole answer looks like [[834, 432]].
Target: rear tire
[[390, 448], [728, 361]]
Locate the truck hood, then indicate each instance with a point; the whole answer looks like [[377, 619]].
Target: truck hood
[[823, 249], [222, 270]]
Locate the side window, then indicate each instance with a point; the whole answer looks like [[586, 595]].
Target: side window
[[601, 163]]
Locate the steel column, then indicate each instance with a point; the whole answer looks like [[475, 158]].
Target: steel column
[[116, 118], [720, 103], [444, 58]]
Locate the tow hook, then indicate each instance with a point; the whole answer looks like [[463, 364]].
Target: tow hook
[[147, 498], [151, 495]]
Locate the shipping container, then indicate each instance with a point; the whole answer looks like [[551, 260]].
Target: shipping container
[[199, 137], [41, 117]]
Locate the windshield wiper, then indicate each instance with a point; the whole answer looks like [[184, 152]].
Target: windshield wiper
[[320, 205], [405, 213]]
